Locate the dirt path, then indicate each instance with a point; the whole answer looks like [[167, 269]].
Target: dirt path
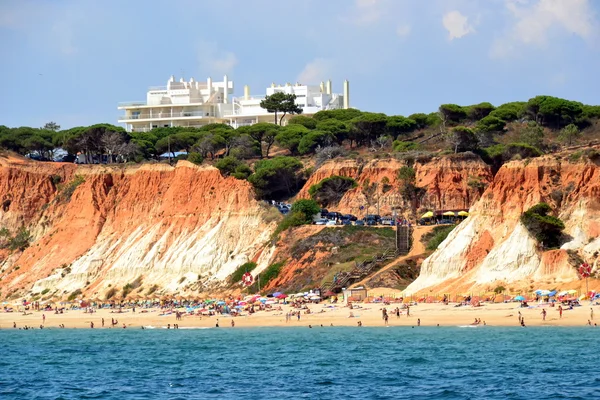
[[416, 249]]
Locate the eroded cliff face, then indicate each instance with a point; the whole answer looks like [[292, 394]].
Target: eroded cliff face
[[492, 247], [183, 228], [449, 183]]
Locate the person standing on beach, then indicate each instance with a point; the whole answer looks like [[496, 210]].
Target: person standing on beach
[[560, 310], [298, 315], [232, 323], [91, 324], [543, 315], [520, 316], [591, 313], [44, 318], [418, 321], [103, 322]]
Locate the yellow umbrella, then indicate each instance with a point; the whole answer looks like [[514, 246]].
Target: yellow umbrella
[[448, 214], [428, 214], [463, 214], [572, 291]]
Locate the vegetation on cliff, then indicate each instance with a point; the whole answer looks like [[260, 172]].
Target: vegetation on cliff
[[496, 134], [433, 239], [19, 241], [331, 190], [546, 229]]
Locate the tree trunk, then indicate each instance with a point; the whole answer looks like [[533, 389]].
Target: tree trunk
[[282, 117], [275, 117]]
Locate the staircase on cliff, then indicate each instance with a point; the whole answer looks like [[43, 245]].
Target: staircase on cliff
[[367, 267]]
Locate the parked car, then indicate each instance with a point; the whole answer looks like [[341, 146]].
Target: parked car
[[331, 222], [321, 221], [335, 215], [350, 217], [388, 221], [445, 221], [323, 211], [346, 221], [370, 221], [359, 222]]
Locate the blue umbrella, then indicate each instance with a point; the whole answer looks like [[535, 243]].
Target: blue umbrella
[[276, 294], [520, 298], [220, 303], [552, 293]]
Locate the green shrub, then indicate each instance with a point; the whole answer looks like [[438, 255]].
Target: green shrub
[[308, 208], [20, 241], [231, 166], [331, 190], [292, 219], [271, 272], [45, 291], [240, 271], [403, 147], [126, 290], [546, 229], [152, 289], [111, 293], [437, 236], [74, 295], [56, 180], [195, 158], [68, 190]]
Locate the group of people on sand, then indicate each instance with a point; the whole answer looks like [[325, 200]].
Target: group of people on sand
[[478, 322], [291, 314]]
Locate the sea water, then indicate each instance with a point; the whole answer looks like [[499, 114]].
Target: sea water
[[293, 363]]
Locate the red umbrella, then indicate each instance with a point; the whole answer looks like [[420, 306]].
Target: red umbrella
[[281, 296]]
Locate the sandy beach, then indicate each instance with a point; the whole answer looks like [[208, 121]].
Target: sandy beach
[[370, 314]]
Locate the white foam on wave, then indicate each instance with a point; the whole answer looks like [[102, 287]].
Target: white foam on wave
[[164, 327], [469, 326]]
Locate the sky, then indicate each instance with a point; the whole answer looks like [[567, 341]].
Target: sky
[[72, 61]]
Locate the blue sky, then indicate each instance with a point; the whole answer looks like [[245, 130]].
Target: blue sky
[[72, 61]]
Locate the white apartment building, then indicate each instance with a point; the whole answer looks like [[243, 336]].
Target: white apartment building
[[195, 104]]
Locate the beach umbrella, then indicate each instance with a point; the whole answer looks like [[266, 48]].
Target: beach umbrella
[[572, 291], [428, 214], [221, 303], [520, 298], [552, 293], [449, 214], [276, 294], [281, 296], [563, 293], [463, 214]]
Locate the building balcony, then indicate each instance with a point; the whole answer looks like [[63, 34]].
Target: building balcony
[[165, 115]]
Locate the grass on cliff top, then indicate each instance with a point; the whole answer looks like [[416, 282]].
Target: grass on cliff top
[[433, 239]]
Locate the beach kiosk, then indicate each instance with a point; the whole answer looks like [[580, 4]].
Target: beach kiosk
[[355, 294]]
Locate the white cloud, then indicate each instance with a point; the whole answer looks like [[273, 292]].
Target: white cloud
[[315, 71], [403, 30], [535, 21], [457, 25], [213, 60]]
